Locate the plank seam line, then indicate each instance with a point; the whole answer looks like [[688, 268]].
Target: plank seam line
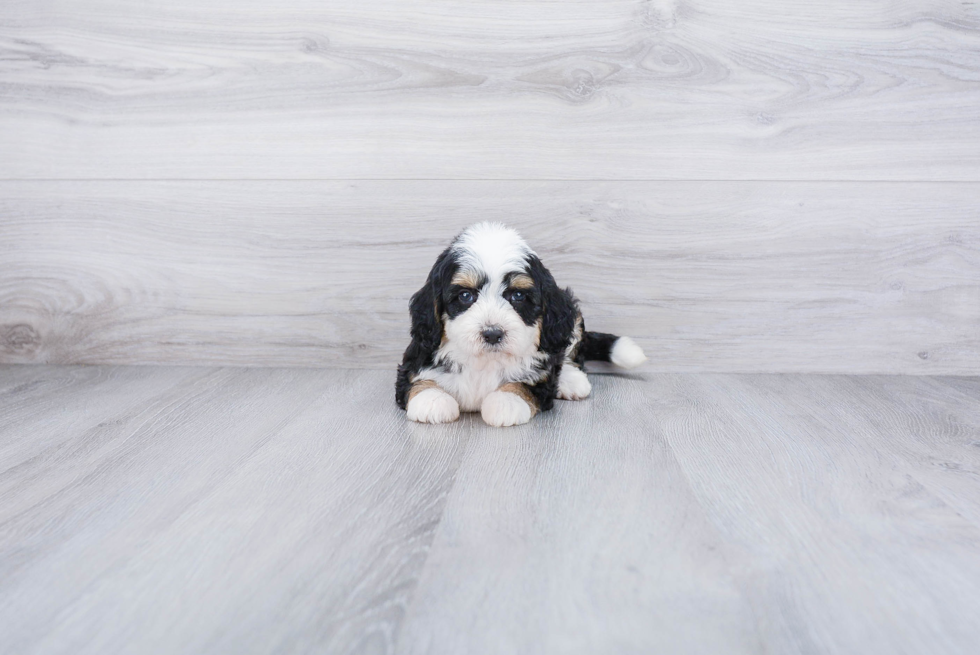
[[411, 599], [485, 179]]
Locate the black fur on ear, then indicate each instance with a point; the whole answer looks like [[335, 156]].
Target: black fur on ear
[[426, 308], [558, 309]]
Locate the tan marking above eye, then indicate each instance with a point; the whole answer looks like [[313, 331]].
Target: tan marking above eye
[[466, 279], [521, 282]]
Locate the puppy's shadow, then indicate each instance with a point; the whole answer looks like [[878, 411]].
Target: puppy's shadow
[[602, 369]]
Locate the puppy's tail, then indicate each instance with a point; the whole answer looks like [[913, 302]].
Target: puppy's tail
[[621, 351]]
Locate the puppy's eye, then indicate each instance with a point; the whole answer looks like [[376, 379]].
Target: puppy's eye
[[517, 296], [466, 297]]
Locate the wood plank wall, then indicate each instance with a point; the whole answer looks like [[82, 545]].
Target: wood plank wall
[[752, 186]]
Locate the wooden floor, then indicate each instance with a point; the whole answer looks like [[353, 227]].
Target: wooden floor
[[204, 510]]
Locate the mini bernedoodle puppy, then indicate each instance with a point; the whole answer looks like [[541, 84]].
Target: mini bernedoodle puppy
[[492, 331]]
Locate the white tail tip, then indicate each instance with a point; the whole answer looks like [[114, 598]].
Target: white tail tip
[[626, 353]]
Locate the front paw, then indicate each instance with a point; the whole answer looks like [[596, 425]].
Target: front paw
[[503, 408], [433, 406]]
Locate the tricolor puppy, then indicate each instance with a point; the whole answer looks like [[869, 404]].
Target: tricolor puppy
[[492, 332]]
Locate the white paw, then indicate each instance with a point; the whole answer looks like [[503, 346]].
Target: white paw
[[502, 408], [433, 406], [626, 353], [573, 384]]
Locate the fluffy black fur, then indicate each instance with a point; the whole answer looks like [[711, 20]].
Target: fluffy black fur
[[426, 309], [557, 309], [596, 347], [558, 312]]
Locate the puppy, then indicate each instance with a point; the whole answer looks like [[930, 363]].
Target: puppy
[[492, 332]]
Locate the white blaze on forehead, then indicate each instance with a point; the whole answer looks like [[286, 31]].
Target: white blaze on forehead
[[466, 367], [491, 249]]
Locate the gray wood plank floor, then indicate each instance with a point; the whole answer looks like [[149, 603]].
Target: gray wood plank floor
[[204, 510]]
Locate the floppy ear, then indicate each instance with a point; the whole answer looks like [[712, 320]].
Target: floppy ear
[[426, 306], [558, 309]]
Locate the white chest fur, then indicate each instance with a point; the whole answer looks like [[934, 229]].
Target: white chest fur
[[470, 382]]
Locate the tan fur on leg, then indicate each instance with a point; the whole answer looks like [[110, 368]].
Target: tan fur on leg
[[511, 404], [521, 390], [427, 403], [419, 386]]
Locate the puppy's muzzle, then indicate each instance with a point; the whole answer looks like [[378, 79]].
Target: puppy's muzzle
[[492, 335]]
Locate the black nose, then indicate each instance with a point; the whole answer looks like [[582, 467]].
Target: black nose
[[493, 335]]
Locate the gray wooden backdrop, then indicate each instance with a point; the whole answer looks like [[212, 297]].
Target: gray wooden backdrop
[[754, 186]]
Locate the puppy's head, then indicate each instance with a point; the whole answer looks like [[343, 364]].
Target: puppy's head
[[488, 293]]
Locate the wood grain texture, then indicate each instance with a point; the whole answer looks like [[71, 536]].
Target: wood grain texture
[[842, 277], [714, 513], [803, 480], [622, 89], [199, 510], [242, 510], [578, 533]]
